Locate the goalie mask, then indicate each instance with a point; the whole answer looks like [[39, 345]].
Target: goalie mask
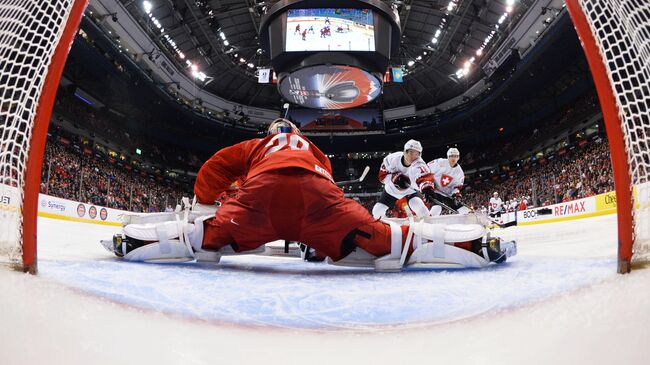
[[282, 125]]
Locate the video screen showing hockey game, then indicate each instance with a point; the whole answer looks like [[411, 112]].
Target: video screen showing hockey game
[[330, 30]]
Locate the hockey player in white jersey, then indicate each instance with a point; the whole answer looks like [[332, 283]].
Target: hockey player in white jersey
[[404, 174], [449, 179], [495, 208]]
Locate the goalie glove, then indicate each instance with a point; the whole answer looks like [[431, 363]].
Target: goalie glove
[[401, 181]]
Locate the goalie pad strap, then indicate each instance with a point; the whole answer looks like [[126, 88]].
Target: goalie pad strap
[[161, 232], [407, 243], [395, 239]]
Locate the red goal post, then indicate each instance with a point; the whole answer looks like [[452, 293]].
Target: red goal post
[[616, 39], [35, 39]]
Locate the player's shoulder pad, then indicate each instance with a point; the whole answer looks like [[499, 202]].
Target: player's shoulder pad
[[419, 162]]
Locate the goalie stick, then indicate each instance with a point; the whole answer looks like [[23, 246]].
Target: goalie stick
[[360, 179]]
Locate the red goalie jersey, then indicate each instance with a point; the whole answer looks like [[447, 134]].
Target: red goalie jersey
[[287, 193], [250, 158]]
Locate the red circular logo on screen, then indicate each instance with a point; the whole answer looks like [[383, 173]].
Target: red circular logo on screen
[[330, 87]]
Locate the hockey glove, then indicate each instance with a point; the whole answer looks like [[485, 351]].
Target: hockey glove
[[457, 196], [401, 181]]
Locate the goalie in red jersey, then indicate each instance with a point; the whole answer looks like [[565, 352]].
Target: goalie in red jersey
[[288, 193]]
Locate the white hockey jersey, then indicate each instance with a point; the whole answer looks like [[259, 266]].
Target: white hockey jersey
[[449, 180], [496, 205], [418, 172]]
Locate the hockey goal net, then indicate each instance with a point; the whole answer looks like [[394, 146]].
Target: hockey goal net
[[615, 35], [35, 37]]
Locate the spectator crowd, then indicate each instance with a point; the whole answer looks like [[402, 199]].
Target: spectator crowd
[[74, 172], [582, 171]]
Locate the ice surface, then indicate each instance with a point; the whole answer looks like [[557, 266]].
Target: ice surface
[[558, 301]]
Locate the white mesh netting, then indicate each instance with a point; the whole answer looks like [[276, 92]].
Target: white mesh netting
[[622, 32], [29, 33]]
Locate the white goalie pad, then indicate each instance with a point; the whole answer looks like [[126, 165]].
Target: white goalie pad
[[449, 233], [357, 258], [151, 218], [471, 218], [172, 251], [432, 256], [193, 210], [279, 248], [153, 231], [433, 249]]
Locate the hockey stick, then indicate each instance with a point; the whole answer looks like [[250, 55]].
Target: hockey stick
[[493, 221], [360, 179]]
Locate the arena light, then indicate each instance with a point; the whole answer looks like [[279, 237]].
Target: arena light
[[434, 40], [509, 9], [198, 74], [479, 51], [226, 43], [411, 63], [510, 2], [147, 6]]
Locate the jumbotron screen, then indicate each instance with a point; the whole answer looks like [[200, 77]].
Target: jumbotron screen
[[330, 29]]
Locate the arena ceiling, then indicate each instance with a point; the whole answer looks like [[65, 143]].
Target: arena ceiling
[[221, 39]]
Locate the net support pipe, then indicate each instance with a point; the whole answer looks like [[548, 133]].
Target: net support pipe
[[615, 136], [39, 135]]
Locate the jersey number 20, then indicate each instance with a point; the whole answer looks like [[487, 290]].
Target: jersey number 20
[[280, 141]]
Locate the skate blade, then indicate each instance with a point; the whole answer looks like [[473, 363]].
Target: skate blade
[[108, 245], [510, 248]]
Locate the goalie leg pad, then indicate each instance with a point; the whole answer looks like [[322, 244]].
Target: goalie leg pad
[[435, 210], [432, 247], [172, 251], [379, 210], [417, 206], [169, 241], [452, 257]]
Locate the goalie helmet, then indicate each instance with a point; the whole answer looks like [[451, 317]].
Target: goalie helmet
[[413, 145], [282, 125], [453, 152]]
